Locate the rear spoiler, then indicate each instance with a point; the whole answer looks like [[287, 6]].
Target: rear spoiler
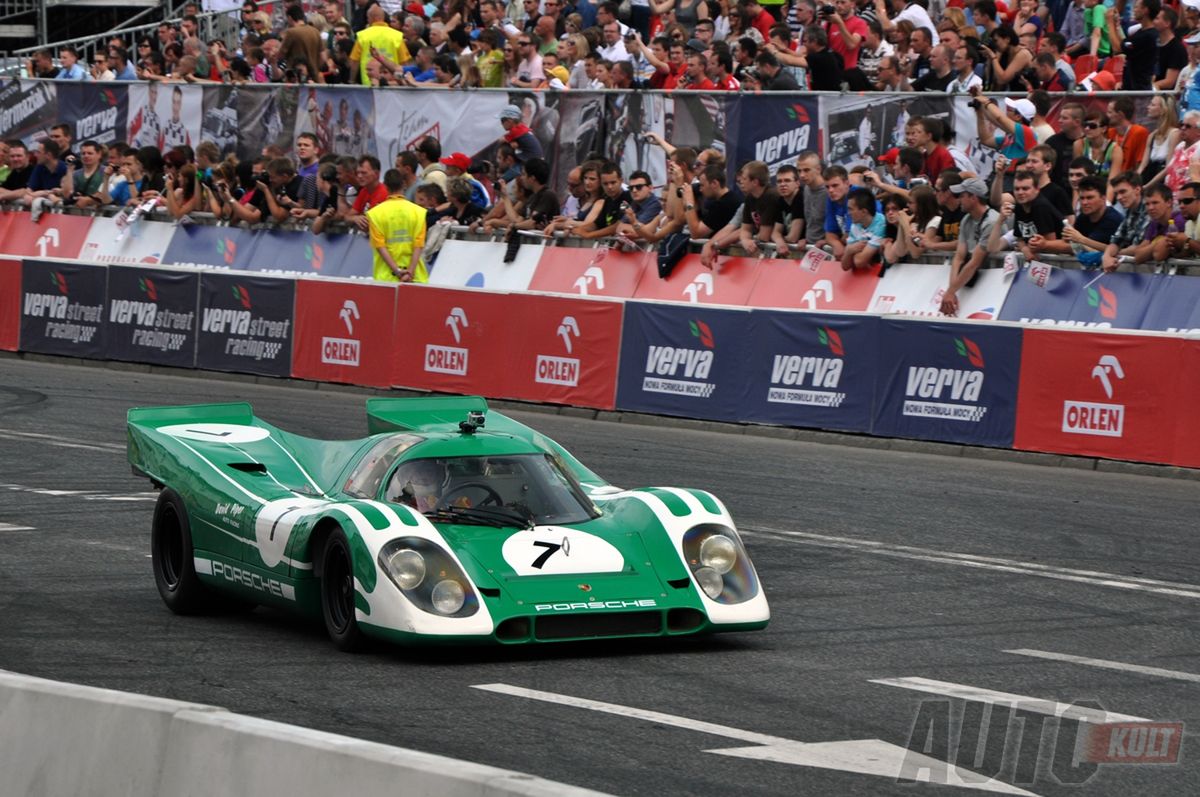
[[235, 412], [421, 413]]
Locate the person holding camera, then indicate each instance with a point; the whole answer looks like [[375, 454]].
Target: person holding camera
[[845, 29], [81, 187]]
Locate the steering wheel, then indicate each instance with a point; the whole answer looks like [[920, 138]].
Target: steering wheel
[[492, 496]]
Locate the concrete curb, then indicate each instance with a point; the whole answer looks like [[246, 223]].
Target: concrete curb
[[645, 419], [61, 738]]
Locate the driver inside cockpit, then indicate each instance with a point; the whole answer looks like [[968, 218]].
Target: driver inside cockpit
[[419, 484]]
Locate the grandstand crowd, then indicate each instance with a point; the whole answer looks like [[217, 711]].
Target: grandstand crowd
[[1102, 187]]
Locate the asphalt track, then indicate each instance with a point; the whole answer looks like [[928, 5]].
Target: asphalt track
[[871, 588]]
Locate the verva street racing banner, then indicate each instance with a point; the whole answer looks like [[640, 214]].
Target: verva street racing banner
[[1100, 394], [62, 309], [95, 112], [811, 370], [344, 332], [246, 324], [945, 381], [151, 316], [771, 129]]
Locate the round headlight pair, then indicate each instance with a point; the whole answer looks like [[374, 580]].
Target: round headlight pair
[[407, 568], [718, 555]]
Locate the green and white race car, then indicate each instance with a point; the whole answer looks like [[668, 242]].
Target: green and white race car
[[449, 523]]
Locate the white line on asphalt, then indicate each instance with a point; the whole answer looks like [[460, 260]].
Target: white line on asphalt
[[87, 495], [62, 442], [1096, 578], [14, 527], [1023, 702], [860, 756], [1104, 664]]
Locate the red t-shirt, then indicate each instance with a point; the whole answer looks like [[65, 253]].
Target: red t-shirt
[[672, 81], [703, 85], [849, 56], [369, 199], [728, 83], [937, 162], [764, 22]]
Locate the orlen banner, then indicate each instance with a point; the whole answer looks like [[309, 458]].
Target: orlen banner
[[62, 308], [344, 332], [54, 235], [456, 341], [685, 360], [245, 324], [152, 315], [10, 304], [592, 271], [729, 283], [1098, 394], [792, 284], [1073, 298], [811, 370], [916, 289], [567, 350], [947, 381]]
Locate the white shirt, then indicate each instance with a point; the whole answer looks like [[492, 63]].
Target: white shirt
[[615, 52], [919, 18]]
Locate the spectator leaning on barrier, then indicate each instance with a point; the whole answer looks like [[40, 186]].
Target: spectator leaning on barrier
[[865, 238], [810, 168], [605, 215], [976, 229], [1093, 228], [837, 215], [715, 207], [20, 169], [789, 217], [1034, 220], [1187, 243], [944, 237], [371, 191], [1128, 189], [397, 231], [1164, 221], [760, 207], [82, 182]]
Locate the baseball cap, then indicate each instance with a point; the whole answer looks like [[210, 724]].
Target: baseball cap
[[415, 8], [1023, 107], [459, 160], [971, 185], [696, 46], [891, 156], [511, 112]]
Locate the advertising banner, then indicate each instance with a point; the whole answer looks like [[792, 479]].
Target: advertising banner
[[480, 264], [342, 118], [598, 271], [792, 284], [95, 112], [144, 242], [729, 282], [916, 289], [27, 109], [945, 381], [62, 308], [456, 341], [1073, 298], [1100, 394], [267, 117], [566, 350], [54, 235], [860, 128], [152, 316], [462, 123], [1187, 439], [344, 332], [164, 115], [221, 247], [10, 304], [219, 120], [811, 370], [245, 324], [301, 252], [1174, 305], [685, 360], [771, 129]]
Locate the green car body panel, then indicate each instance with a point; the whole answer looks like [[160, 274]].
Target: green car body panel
[[261, 504]]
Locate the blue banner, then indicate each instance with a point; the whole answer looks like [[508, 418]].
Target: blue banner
[[62, 308], [812, 370], [1174, 305], [246, 324], [1075, 298], [684, 360], [199, 245], [151, 316], [951, 382], [301, 252], [96, 112], [770, 129]]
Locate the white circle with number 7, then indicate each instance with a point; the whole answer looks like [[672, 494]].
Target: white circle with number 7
[[552, 550]]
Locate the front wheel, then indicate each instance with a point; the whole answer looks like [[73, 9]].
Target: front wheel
[[337, 593]]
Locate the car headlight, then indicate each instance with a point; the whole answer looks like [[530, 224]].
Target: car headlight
[[719, 564], [428, 576]]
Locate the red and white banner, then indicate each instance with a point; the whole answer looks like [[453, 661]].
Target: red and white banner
[[565, 351], [10, 304], [1187, 437], [793, 284], [730, 282], [917, 289], [345, 332], [1098, 394], [594, 271], [145, 242], [54, 235]]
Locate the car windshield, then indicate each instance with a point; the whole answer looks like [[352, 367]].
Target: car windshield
[[364, 481], [534, 486]]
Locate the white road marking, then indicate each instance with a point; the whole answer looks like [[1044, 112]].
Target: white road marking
[[1093, 577], [861, 756], [61, 442], [86, 495], [1037, 705], [1108, 665], [14, 527]]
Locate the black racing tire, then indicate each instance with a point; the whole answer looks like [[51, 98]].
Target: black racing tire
[[337, 593], [171, 555]]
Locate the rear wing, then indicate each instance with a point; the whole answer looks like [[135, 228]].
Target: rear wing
[[421, 413], [239, 413]]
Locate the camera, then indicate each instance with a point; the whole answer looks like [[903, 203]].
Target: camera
[[827, 10]]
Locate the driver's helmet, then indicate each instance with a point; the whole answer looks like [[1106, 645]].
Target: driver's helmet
[[421, 483]]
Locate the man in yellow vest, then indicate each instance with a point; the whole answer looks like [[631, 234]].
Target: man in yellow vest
[[397, 229], [377, 36]]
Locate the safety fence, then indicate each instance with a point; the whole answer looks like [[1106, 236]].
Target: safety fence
[[1122, 395], [571, 126]]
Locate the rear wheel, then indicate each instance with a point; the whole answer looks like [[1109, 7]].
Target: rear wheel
[[171, 554], [337, 593]]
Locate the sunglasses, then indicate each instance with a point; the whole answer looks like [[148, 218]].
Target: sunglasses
[[525, 44], [1093, 126], [1190, 127], [638, 186], [1186, 200]]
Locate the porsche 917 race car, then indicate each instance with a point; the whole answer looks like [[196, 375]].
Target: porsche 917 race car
[[449, 523]]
